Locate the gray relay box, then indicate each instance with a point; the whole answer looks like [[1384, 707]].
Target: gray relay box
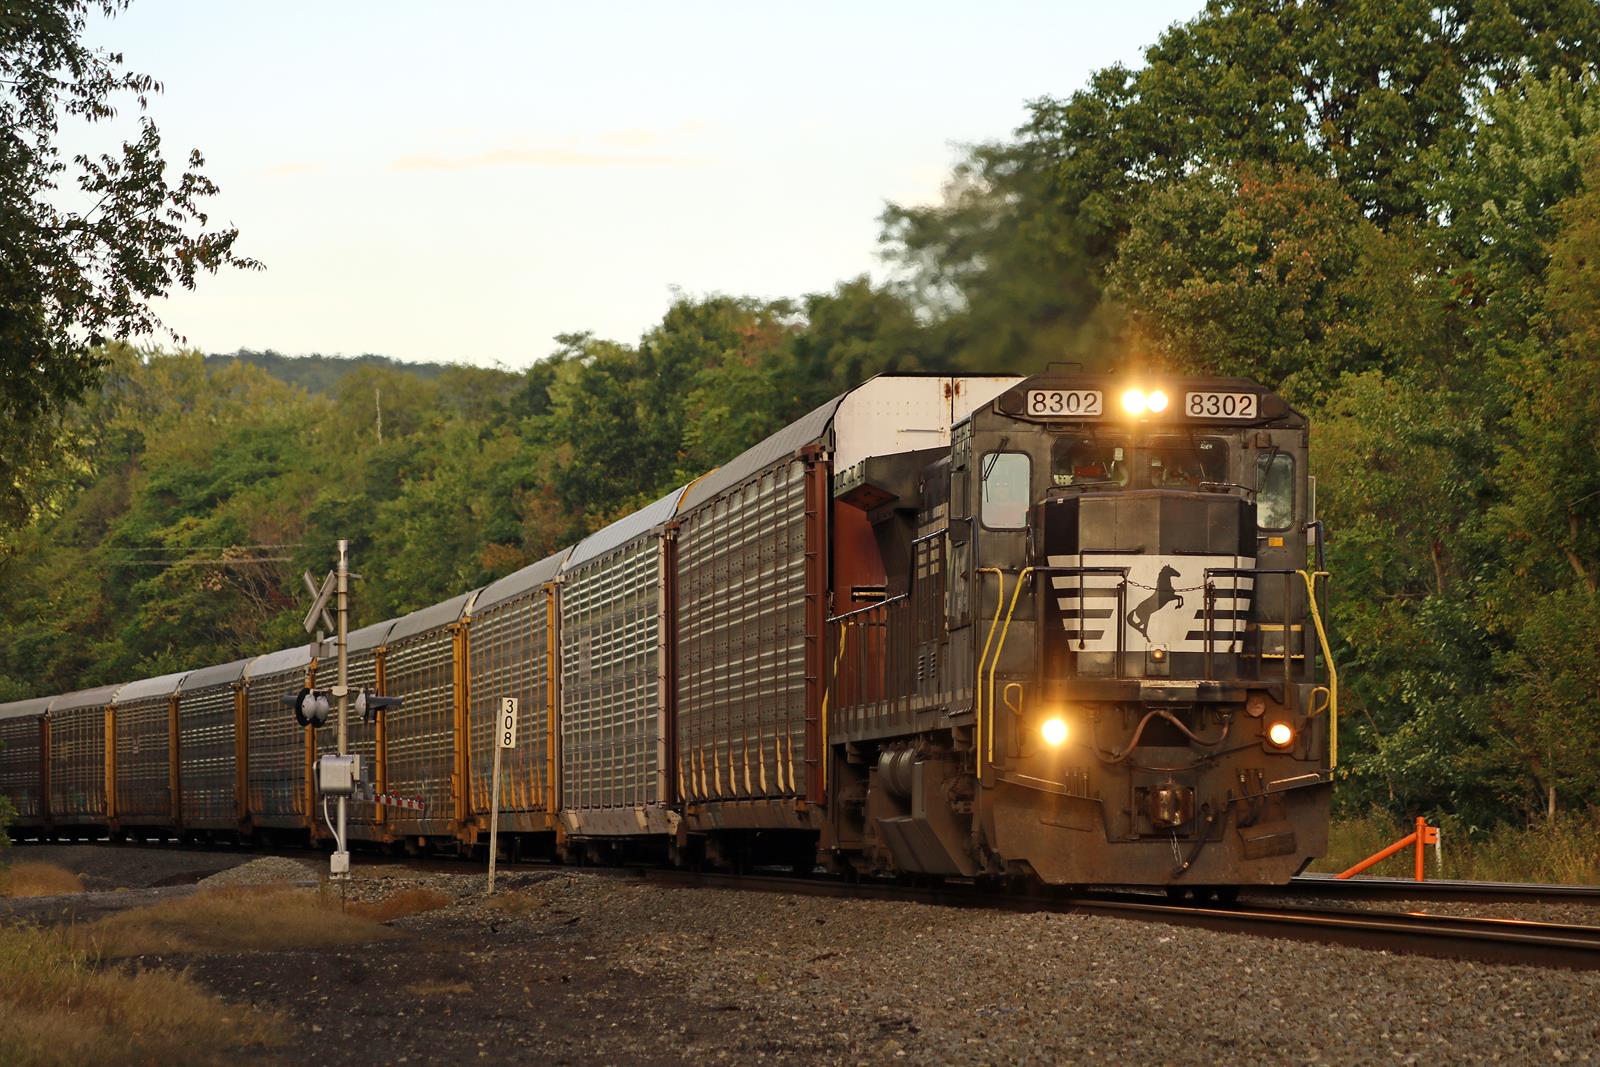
[[338, 776]]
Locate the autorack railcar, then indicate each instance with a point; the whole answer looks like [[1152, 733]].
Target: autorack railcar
[[1065, 627]]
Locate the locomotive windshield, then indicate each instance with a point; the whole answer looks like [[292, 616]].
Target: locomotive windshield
[[1084, 460], [1187, 461]]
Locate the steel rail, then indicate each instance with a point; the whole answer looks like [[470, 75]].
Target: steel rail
[[1374, 888], [1488, 940], [1502, 941]]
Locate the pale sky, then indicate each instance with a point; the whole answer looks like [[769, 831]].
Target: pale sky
[[465, 181]]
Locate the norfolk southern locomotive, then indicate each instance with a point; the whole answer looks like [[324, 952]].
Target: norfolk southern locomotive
[[1065, 627]]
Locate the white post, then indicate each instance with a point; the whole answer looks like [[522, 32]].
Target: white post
[[339, 864], [505, 736], [494, 819]]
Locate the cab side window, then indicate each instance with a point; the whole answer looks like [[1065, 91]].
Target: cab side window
[[1006, 478], [1274, 490]]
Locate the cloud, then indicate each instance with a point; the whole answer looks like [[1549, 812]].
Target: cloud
[[534, 157]]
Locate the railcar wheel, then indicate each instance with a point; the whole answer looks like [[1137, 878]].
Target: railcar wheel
[[1176, 893], [1227, 894]]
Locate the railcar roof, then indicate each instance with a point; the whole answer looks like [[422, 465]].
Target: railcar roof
[[518, 582], [809, 427], [431, 617], [295, 657], [31, 706], [221, 674], [893, 413], [163, 686], [98, 697], [624, 530]]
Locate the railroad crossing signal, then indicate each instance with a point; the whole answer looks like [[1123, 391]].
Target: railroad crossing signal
[[319, 600], [311, 706], [368, 704]]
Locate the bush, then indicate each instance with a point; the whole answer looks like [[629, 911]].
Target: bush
[[1563, 851]]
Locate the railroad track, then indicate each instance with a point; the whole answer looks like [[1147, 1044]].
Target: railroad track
[[1326, 885], [1489, 940], [1506, 941]]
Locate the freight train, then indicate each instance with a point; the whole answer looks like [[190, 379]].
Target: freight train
[[1062, 629]]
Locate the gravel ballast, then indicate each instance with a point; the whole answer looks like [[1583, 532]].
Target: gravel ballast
[[807, 979], [571, 967], [268, 870]]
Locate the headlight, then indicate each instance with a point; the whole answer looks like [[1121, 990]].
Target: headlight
[[1280, 735], [1133, 402], [1054, 731], [1156, 401]]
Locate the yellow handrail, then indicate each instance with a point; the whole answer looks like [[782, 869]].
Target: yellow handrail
[[844, 638], [994, 664], [977, 691], [1332, 688]]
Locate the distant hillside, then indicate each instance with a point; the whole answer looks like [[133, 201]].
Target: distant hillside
[[318, 373]]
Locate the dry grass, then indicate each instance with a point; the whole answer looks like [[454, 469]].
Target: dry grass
[[231, 919], [1564, 852], [399, 905], [31, 878], [58, 1007]]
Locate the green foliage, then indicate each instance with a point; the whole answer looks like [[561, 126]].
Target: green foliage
[[71, 277], [201, 489], [1379, 99], [1264, 271], [317, 373]]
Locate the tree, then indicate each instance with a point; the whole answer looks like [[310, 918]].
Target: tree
[[70, 278], [1261, 271], [1380, 99]]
